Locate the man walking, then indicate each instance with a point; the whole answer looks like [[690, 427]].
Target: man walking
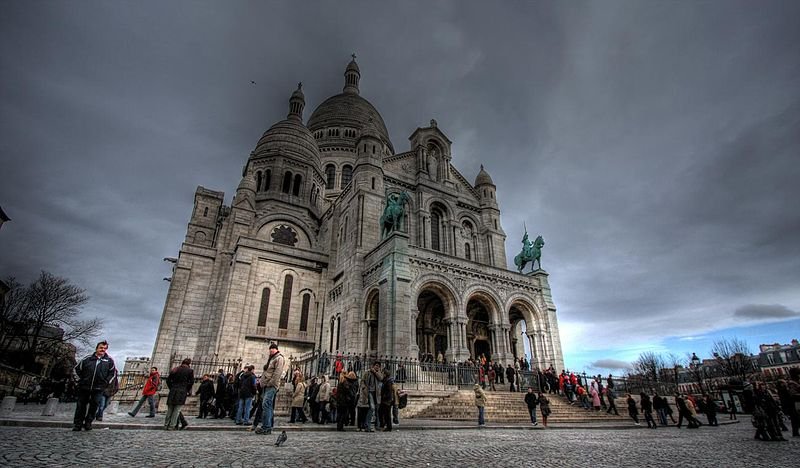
[[180, 382], [148, 393], [532, 400], [270, 381], [93, 373]]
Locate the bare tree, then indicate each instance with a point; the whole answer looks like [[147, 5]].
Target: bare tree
[[649, 365], [13, 314], [44, 316], [733, 357]]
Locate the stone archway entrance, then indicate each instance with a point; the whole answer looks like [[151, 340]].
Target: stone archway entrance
[[431, 326], [517, 337], [479, 336]]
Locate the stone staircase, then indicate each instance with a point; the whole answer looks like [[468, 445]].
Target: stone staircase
[[508, 407]]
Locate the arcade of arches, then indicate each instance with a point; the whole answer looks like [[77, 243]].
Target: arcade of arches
[[441, 329]]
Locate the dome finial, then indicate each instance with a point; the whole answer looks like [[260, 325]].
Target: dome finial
[[296, 104], [351, 77]]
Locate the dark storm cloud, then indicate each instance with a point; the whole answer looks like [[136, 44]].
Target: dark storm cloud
[[654, 145], [765, 312]]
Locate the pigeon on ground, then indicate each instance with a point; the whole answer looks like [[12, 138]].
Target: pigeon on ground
[[281, 439]]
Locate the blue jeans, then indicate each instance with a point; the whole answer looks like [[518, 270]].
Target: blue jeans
[[243, 413], [102, 401], [532, 411], [150, 399], [481, 421], [268, 407], [662, 416], [372, 413]]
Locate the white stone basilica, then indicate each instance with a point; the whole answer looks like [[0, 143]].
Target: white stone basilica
[[298, 257]]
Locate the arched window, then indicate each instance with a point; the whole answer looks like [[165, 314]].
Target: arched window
[[467, 252], [347, 175], [258, 181], [205, 211], [304, 312], [287, 182], [267, 179], [330, 176], [313, 194], [436, 220], [262, 311], [338, 330], [298, 182], [286, 302]]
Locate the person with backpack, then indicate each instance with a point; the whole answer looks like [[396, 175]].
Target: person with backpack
[[531, 400]]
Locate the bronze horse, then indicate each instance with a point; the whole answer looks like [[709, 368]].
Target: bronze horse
[[531, 252], [392, 217]]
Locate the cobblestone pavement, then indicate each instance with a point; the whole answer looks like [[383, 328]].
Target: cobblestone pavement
[[725, 446]]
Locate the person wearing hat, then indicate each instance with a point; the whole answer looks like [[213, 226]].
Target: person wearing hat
[[270, 381]]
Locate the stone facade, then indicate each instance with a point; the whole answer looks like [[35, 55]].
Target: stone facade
[[299, 258]]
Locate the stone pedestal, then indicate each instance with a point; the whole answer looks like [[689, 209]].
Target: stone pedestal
[[395, 297], [7, 406], [50, 407]]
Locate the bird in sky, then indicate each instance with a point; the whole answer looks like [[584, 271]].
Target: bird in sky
[[252, 82], [281, 439]]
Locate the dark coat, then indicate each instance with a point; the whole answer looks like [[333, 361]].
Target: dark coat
[[222, 384], [180, 383], [95, 373], [247, 385], [206, 390], [531, 400]]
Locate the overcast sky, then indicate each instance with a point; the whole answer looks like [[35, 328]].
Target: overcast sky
[[654, 145]]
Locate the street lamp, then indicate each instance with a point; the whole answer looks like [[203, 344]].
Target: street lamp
[[696, 367]]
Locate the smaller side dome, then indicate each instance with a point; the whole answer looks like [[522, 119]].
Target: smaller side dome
[[483, 178]]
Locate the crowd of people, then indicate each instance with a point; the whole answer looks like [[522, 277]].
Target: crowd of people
[[368, 404], [372, 401]]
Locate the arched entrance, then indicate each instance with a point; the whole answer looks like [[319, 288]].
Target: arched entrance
[[431, 327], [479, 336], [517, 334]]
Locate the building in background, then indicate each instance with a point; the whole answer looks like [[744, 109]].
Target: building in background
[[299, 256], [776, 359], [137, 365]]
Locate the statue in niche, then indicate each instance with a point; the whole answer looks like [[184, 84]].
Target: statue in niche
[[433, 162]]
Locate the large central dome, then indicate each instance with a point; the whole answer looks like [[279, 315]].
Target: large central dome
[[348, 109]]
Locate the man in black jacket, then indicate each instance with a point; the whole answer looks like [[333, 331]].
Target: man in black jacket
[[221, 392], [93, 374], [532, 400]]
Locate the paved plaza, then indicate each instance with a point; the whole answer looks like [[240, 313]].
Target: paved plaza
[[725, 446]]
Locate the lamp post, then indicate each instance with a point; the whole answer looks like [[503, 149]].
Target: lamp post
[[697, 367]]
